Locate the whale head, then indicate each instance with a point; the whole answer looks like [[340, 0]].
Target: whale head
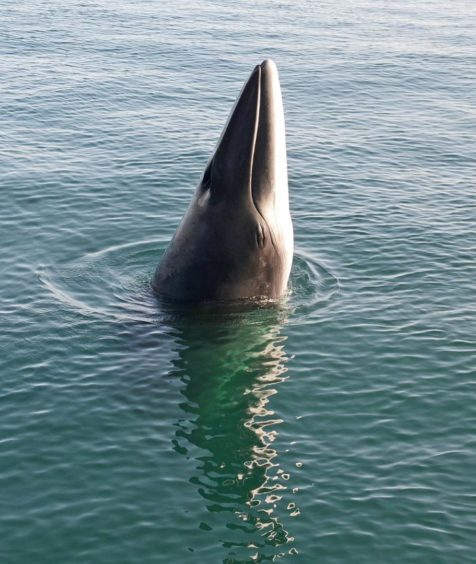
[[235, 241]]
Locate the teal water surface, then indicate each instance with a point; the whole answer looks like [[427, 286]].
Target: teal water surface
[[339, 427]]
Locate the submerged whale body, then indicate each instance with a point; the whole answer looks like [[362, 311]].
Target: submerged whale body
[[235, 241]]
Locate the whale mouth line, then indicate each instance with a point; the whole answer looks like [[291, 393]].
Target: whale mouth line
[[253, 149], [253, 182]]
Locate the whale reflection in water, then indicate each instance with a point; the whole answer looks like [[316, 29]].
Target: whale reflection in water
[[230, 369]]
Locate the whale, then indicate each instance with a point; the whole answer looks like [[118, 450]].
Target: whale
[[235, 241]]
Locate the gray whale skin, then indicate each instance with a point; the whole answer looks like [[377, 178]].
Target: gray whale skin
[[235, 241]]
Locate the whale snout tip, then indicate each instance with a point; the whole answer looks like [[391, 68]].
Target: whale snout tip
[[268, 65], [267, 69]]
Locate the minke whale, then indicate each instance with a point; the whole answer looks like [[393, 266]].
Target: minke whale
[[235, 241]]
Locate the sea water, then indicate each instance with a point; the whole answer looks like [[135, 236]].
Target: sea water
[[338, 427]]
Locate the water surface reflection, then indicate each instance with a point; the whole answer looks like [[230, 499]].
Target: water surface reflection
[[231, 366]]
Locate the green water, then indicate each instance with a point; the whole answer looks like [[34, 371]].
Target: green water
[[339, 427]]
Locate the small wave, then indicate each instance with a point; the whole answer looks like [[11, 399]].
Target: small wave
[[114, 283], [313, 286], [111, 283]]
